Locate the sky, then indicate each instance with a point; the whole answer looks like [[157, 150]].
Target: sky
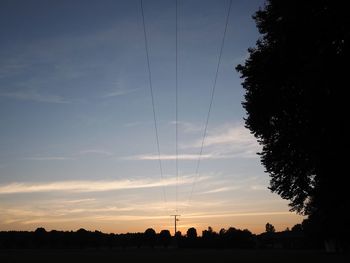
[[77, 138]]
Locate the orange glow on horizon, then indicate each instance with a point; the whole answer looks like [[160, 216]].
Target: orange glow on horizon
[[254, 223]]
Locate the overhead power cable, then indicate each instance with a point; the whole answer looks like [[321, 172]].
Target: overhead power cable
[[176, 104], [196, 175], [152, 99]]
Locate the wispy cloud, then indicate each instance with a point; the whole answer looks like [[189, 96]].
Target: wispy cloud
[[228, 141], [140, 217], [188, 127], [11, 66], [258, 187], [267, 213], [169, 157], [236, 134], [76, 201], [162, 217], [88, 186], [215, 155], [75, 210], [48, 158], [241, 183], [119, 92], [35, 96], [219, 190], [95, 152], [225, 142], [136, 124]]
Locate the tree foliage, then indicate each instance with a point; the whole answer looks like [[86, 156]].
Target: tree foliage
[[165, 237], [269, 228], [226, 238], [295, 81], [150, 236], [192, 233]]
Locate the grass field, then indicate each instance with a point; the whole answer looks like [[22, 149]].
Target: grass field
[[167, 255]]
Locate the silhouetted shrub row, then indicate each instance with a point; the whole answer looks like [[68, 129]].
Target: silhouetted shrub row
[[225, 238]]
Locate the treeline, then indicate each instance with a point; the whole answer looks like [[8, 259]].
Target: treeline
[[225, 238]]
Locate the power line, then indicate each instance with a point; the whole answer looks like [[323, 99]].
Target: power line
[[210, 104], [176, 105], [152, 98]]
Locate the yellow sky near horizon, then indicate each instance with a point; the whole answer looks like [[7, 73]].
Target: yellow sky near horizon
[[113, 212]]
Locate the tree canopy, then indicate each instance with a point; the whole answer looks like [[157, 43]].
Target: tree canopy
[[269, 228], [295, 80], [191, 232], [85, 239]]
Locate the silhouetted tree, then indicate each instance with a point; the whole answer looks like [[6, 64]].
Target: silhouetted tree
[[191, 239], [236, 238], [297, 106], [269, 228], [210, 238], [178, 239], [297, 228], [222, 231], [178, 234], [40, 237], [165, 237], [208, 233], [191, 233], [40, 231], [230, 238], [150, 236]]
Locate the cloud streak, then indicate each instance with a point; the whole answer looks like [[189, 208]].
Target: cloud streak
[[48, 158], [87, 186], [95, 152], [169, 157], [82, 153], [229, 141], [226, 142], [119, 92], [238, 135], [34, 96], [128, 217], [203, 215], [219, 190], [188, 127]]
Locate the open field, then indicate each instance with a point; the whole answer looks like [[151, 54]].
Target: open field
[[167, 255]]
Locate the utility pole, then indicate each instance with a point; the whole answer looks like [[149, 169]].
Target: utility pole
[[175, 222]]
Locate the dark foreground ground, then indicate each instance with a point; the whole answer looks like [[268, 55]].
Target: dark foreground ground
[[167, 255]]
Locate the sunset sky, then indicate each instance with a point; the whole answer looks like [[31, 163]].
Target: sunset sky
[[77, 140]]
